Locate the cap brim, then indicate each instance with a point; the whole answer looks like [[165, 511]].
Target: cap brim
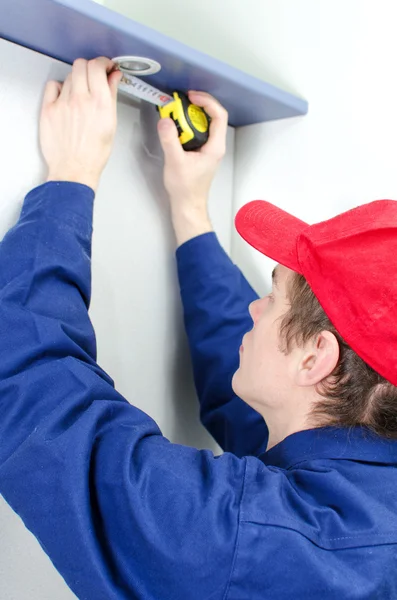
[[272, 231]]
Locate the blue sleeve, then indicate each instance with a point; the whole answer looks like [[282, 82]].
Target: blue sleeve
[[120, 511], [215, 297]]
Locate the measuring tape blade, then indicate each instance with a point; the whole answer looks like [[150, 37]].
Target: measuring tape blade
[[134, 86], [192, 121]]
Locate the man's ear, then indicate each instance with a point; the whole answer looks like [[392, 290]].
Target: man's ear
[[319, 359]]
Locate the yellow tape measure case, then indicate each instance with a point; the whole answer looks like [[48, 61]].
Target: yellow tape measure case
[[192, 121]]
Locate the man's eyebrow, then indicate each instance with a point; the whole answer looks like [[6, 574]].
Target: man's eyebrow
[[274, 276]]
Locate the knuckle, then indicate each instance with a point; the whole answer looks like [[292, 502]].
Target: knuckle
[[98, 60], [79, 61], [220, 152], [220, 113], [101, 99], [79, 101], [220, 109]]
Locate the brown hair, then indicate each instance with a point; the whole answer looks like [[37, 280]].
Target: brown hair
[[354, 394]]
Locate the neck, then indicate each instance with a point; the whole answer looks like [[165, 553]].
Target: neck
[[281, 425]]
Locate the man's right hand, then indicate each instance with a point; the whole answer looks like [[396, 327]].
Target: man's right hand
[[188, 175]]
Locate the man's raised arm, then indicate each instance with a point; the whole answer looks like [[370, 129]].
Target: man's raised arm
[[214, 292]]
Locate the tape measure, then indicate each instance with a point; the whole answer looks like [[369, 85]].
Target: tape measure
[[191, 120]]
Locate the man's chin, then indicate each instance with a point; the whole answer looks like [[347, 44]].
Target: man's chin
[[235, 382], [238, 386]]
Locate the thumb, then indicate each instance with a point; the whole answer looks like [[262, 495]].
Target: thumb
[[169, 139], [114, 79], [51, 92]]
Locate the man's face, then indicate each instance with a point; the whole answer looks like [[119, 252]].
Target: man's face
[[264, 375]]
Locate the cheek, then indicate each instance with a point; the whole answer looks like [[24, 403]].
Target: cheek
[[265, 336], [264, 349]]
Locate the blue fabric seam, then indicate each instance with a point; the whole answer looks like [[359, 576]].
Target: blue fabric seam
[[315, 535], [320, 456], [236, 543]]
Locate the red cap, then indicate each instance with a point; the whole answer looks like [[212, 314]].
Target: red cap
[[349, 262]]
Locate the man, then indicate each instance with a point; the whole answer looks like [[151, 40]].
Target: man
[[304, 506]]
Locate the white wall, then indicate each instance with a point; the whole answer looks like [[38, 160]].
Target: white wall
[[341, 57], [230, 30], [135, 308]]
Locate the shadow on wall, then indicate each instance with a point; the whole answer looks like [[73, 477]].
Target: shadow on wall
[[187, 429]]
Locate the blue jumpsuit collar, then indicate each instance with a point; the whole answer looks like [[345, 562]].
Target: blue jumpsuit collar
[[350, 443]]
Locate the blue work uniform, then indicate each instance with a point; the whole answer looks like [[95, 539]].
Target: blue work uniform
[[121, 511]]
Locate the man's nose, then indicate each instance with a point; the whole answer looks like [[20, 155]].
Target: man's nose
[[253, 309]]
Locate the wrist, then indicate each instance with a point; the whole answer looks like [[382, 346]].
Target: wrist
[[190, 209], [190, 222]]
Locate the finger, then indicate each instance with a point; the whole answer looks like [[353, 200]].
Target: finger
[[51, 92], [218, 127], [114, 79], [66, 88], [98, 69], [169, 139], [79, 77]]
